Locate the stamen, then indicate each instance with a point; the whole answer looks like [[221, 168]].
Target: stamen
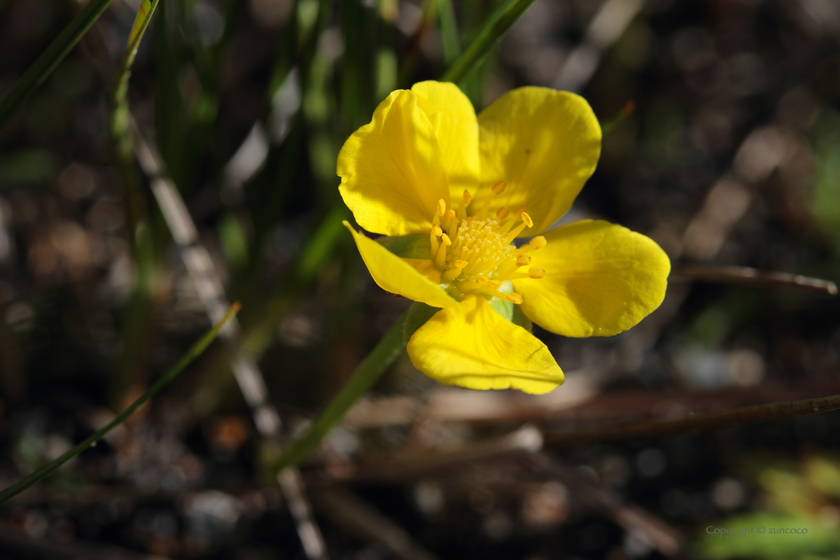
[[516, 231], [538, 242], [433, 240], [496, 189], [514, 298], [465, 201], [527, 219], [523, 260], [441, 207], [440, 259], [487, 282], [450, 221], [454, 273], [536, 273], [437, 231], [502, 213]]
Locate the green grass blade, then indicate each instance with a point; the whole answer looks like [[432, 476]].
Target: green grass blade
[[363, 378], [120, 115], [50, 58], [450, 41], [156, 388], [486, 39]]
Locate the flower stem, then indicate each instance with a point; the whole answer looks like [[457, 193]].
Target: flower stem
[[158, 385], [365, 375]]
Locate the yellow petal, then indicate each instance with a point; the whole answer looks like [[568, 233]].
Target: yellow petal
[[475, 347], [545, 144], [427, 268], [456, 127], [601, 279], [396, 276], [391, 172]]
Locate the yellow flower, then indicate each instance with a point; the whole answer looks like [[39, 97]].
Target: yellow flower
[[454, 191]]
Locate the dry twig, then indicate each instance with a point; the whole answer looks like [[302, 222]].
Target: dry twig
[[752, 277]]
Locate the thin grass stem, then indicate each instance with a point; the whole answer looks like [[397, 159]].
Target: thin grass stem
[[490, 34], [156, 388], [50, 58]]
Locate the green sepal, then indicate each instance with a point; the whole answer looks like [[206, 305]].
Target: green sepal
[[508, 310], [411, 246], [418, 314]]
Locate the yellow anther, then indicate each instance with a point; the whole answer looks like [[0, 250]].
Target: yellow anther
[[488, 282], [441, 207], [502, 213], [436, 230], [522, 260], [527, 219], [499, 187], [445, 239], [514, 298], [538, 242], [519, 209], [460, 264], [536, 273]]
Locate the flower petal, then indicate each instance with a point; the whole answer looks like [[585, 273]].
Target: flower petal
[[456, 127], [476, 348], [391, 171], [601, 279], [545, 144], [396, 276]]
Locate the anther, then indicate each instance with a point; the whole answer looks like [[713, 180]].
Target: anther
[[499, 187], [441, 207], [527, 219], [536, 273], [502, 213], [523, 260], [538, 242], [436, 230], [487, 282], [445, 239], [514, 298]]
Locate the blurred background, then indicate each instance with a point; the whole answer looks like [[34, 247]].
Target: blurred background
[[722, 143]]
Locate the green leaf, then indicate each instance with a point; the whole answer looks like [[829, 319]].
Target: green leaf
[[50, 58]]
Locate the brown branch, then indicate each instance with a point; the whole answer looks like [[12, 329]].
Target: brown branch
[[694, 422], [753, 277]]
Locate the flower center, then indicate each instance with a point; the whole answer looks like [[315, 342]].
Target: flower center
[[474, 253]]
